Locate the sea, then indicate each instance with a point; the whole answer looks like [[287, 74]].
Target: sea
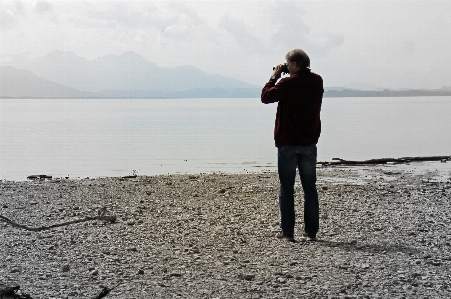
[[89, 138]]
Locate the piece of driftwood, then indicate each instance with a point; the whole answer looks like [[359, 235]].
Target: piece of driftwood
[[7, 292], [105, 291], [339, 161], [111, 219], [39, 177]]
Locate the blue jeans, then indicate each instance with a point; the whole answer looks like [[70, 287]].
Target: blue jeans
[[304, 158]]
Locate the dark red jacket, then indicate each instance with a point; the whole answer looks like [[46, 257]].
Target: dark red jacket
[[298, 111]]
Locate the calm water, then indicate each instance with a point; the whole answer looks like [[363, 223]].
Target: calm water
[[81, 138]]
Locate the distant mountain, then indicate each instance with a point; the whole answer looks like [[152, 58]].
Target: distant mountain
[[15, 83], [66, 75], [127, 72]]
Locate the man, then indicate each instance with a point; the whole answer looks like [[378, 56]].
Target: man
[[296, 133]]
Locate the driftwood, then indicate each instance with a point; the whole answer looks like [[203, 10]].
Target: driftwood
[[39, 177], [129, 177], [7, 292], [111, 219], [11, 293], [105, 291], [339, 161]]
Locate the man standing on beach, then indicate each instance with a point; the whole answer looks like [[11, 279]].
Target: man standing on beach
[[296, 133]]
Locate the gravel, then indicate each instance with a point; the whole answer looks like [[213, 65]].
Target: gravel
[[384, 233]]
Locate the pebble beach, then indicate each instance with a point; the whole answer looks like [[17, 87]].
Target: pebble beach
[[385, 232]]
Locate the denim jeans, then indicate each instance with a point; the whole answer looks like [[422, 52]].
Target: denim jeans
[[303, 158]]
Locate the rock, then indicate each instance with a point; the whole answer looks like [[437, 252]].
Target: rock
[[65, 268], [94, 272], [141, 271], [248, 276]]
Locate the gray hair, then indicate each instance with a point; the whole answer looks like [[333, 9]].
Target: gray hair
[[299, 56]]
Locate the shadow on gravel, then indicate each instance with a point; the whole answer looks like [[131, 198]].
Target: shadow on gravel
[[371, 248]]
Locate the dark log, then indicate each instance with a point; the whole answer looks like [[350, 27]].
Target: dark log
[[339, 161], [105, 291], [39, 177], [7, 292]]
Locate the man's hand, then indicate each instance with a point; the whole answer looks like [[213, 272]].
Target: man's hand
[[277, 72]]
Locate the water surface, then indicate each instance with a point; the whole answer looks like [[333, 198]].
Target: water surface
[[90, 138]]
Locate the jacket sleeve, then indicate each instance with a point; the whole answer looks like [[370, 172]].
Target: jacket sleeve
[[273, 92]]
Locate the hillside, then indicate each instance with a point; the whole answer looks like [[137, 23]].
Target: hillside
[[16, 83], [128, 72]]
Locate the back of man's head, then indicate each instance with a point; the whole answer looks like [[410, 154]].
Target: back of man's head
[[299, 56]]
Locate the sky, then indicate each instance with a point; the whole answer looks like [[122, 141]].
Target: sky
[[361, 44]]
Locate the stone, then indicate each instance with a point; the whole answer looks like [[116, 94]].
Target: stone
[[65, 268]]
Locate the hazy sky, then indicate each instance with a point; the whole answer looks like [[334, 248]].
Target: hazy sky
[[391, 44]]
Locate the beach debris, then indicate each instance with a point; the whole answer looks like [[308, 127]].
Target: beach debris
[[133, 175], [105, 291], [130, 177], [40, 177], [339, 161], [65, 268], [248, 276], [7, 292], [106, 218]]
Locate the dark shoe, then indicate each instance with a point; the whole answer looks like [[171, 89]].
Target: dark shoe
[[310, 238], [288, 237]]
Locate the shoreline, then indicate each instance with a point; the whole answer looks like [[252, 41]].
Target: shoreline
[[384, 231], [417, 166]]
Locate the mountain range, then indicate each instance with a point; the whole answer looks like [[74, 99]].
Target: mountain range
[[66, 75]]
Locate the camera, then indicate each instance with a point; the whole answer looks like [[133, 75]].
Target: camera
[[284, 68]]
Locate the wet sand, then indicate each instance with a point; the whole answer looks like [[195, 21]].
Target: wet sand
[[384, 233]]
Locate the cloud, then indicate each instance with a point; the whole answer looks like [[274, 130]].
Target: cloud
[[293, 32], [43, 7], [323, 42], [10, 14], [291, 28], [166, 20], [240, 32], [182, 23], [408, 46]]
